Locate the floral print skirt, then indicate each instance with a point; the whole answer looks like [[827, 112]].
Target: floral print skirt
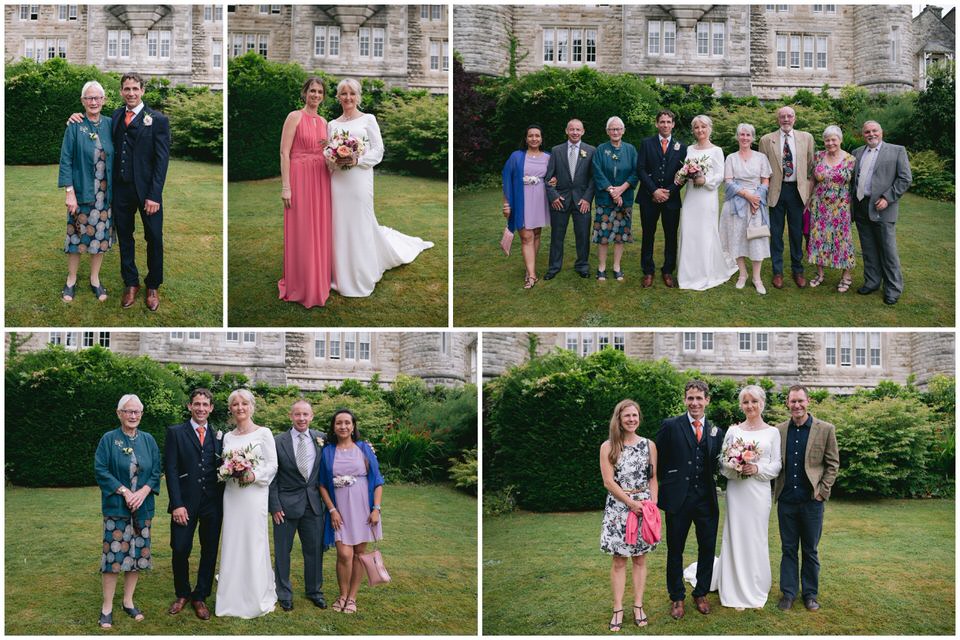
[[123, 549], [613, 531], [91, 230], [612, 225]]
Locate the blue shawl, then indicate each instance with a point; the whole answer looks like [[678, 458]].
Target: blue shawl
[[374, 480], [513, 188], [741, 206]]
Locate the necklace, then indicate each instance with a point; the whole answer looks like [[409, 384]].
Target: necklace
[[133, 437]]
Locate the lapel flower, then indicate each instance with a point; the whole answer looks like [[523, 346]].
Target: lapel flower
[[713, 432], [676, 146], [125, 450], [583, 154], [219, 434], [147, 120], [615, 157], [320, 441]]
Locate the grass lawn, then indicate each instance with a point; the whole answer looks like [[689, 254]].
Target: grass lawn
[[192, 292], [887, 567], [488, 287], [411, 295], [52, 586]]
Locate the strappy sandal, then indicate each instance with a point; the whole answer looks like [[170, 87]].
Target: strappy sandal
[[350, 606], [134, 613], [98, 290], [338, 604], [816, 282], [529, 281], [69, 290], [844, 285], [106, 620], [641, 621], [614, 625], [601, 275], [618, 275]]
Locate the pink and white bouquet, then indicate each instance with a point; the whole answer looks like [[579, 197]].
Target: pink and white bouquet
[[236, 462], [738, 453], [692, 168], [342, 144]]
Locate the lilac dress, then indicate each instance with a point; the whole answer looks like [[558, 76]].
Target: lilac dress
[[353, 502], [536, 211]]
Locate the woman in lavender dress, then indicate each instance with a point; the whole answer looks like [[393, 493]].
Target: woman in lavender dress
[[351, 486], [525, 197]]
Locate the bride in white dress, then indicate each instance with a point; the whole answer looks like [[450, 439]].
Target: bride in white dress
[[702, 264], [245, 585], [742, 572], [362, 248]]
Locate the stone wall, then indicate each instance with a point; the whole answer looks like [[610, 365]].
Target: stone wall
[[206, 33], [873, 67], [481, 35], [46, 26]]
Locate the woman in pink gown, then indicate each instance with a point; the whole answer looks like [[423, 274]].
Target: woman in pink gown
[[307, 229]]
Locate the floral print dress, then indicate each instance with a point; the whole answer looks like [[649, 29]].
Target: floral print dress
[[632, 471], [831, 236], [91, 229]]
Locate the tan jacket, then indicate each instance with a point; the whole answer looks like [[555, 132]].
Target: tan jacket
[[821, 460], [802, 163]]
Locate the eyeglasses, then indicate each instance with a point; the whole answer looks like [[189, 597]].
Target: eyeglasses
[[93, 98], [132, 412], [612, 129]]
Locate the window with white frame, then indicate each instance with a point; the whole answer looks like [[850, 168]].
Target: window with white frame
[[269, 9], [153, 42], [619, 341], [874, 349], [745, 341], [653, 37], [894, 44], [124, 43], [821, 52], [852, 349], [807, 52], [830, 349], [824, 8], [233, 337], [320, 345], [564, 45], [434, 55], [166, 41], [706, 341], [781, 50], [350, 345], [573, 342], [176, 336], [67, 12], [217, 51], [669, 38], [104, 339], [794, 51], [703, 38], [603, 341], [249, 337], [436, 12], [89, 339], [846, 350], [334, 344], [29, 12], [719, 32], [218, 12], [364, 36], [70, 340], [445, 343], [762, 342], [118, 43], [363, 345], [587, 344], [240, 43], [39, 49], [262, 41], [55, 338], [379, 42], [445, 55], [207, 12], [326, 41], [193, 336], [860, 349], [689, 341]]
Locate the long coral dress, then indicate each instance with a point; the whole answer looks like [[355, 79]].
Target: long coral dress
[[307, 224]]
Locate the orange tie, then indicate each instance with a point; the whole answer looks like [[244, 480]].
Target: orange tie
[[126, 122], [201, 431], [696, 425], [663, 145]]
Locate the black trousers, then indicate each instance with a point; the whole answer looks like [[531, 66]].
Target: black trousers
[[788, 211], [126, 204], [650, 213], [697, 510], [208, 519]]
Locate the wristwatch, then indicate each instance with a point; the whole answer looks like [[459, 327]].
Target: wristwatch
[[122, 490], [377, 507]]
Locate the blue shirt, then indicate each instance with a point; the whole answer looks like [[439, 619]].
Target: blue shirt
[[797, 487]]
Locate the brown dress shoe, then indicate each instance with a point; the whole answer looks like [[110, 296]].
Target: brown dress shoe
[[676, 609], [800, 280], [702, 605], [177, 606], [201, 608], [153, 299], [669, 281], [778, 281], [647, 281], [129, 296]]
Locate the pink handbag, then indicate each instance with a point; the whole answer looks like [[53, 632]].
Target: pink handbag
[[506, 241], [373, 564]]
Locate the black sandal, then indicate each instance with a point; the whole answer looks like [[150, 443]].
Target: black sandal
[[98, 290], [640, 622], [69, 290], [618, 275], [106, 620], [133, 612], [601, 275], [616, 626]]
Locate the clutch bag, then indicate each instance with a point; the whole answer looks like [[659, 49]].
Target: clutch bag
[[373, 564], [506, 241], [756, 231]]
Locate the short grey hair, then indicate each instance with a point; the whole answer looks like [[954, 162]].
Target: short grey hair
[[756, 391], [871, 122], [127, 398], [92, 84], [832, 130], [749, 128], [787, 108], [613, 119], [353, 84], [704, 119]]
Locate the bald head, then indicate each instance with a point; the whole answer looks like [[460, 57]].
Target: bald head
[[574, 131]]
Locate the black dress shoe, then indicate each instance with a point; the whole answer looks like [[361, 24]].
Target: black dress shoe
[[583, 274], [319, 601], [286, 605], [889, 300], [811, 604], [549, 275], [785, 603], [865, 290]]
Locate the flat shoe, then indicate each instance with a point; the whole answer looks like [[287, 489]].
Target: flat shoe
[[741, 282], [69, 290], [601, 275], [99, 290], [338, 604], [759, 285], [134, 613], [350, 606], [106, 620]]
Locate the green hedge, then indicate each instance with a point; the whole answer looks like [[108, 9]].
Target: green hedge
[[545, 420]]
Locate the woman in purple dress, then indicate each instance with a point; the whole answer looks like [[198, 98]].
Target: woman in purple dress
[[351, 486], [525, 197]]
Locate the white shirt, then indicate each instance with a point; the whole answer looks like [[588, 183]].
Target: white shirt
[[196, 425], [136, 110], [791, 139], [661, 138], [311, 451], [703, 424]]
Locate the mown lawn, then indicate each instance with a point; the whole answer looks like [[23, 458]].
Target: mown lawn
[[487, 286], [36, 267], [52, 581], [412, 295], [887, 568]]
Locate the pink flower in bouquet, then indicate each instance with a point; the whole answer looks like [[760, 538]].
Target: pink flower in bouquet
[[344, 151], [749, 456]]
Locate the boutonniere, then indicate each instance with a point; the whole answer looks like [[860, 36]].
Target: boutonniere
[[615, 156], [713, 432], [126, 450], [219, 435], [676, 146], [321, 442], [583, 154], [147, 120], [90, 134]]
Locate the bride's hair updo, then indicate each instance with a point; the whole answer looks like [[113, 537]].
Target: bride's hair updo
[[353, 84], [705, 120], [246, 395], [756, 392]]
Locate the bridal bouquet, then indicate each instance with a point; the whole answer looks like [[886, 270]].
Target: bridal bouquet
[[344, 145], [692, 168], [738, 453], [237, 462]]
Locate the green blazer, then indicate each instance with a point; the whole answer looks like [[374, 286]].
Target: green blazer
[[613, 167], [112, 468], [78, 160]]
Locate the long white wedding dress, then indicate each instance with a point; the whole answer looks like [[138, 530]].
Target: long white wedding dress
[[742, 572], [362, 248], [245, 585], [702, 264]]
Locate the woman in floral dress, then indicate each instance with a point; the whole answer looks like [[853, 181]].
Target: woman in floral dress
[[831, 237], [628, 464]]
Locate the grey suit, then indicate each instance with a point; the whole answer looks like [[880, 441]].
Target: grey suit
[[572, 188], [300, 502], [877, 229]]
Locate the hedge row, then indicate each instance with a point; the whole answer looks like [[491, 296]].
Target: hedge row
[[40, 97], [262, 92], [419, 434], [544, 423]]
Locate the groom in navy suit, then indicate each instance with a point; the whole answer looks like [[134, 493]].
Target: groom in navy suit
[[191, 453], [688, 447]]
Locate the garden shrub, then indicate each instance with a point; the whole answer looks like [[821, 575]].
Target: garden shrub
[[472, 143], [498, 502], [451, 422], [408, 455], [464, 472], [937, 104], [59, 403], [196, 125], [931, 176], [414, 130]]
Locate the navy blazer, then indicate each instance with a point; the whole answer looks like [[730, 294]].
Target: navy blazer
[[150, 151], [675, 454], [182, 462], [657, 170]]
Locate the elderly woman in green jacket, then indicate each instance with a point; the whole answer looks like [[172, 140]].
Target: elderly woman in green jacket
[[86, 161], [127, 467]]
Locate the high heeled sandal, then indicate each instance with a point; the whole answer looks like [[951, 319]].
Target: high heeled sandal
[[642, 620], [529, 281], [816, 282], [614, 625], [844, 285], [350, 606]]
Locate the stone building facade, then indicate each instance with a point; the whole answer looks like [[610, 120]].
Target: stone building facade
[[935, 34], [310, 360], [181, 42], [403, 45], [837, 361], [762, 50]]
